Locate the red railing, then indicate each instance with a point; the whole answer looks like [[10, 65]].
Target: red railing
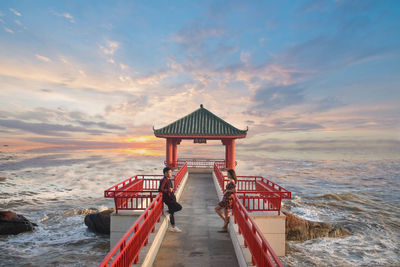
[[126, 251], [137, 192], [261, 252], [137, 182], [200, 163], [255, 192], [260, 201], [179, 176], [219, 176]]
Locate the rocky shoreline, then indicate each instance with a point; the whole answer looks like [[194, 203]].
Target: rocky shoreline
[[298, 229], [13, 224]]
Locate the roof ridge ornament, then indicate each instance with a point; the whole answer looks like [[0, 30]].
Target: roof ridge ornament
[[201, 105]]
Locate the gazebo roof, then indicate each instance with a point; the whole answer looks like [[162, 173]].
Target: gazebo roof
[[200, 123]]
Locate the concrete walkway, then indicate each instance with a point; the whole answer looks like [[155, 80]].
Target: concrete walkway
[[199, 244]]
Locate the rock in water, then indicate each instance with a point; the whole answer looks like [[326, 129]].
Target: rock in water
[[298, 229], [99, 222], [13, 224]]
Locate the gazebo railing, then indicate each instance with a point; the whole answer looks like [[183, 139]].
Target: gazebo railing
[[261, 251], [200, 163], [255, 192], [137, 192], [126, 251]]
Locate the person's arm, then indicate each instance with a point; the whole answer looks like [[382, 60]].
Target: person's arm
[[233, 190], [164, 187]]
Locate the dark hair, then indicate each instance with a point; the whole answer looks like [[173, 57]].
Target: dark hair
[[233, 174], [166, 169]]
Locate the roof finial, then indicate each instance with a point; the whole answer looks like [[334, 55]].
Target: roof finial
[[201, 105]]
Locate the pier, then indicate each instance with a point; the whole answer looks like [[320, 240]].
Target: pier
[[199, 244], [256, 232]]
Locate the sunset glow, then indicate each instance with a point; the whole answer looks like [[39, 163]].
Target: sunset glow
[[101, 75]]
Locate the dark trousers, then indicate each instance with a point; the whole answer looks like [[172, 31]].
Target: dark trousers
[[172, 208]]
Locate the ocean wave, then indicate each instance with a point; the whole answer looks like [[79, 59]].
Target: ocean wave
[[80, 211], [333, 196]]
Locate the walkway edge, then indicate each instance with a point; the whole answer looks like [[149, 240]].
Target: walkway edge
[[237, 240], [155, 245]]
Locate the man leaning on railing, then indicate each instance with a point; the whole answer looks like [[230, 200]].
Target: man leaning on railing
[[169, 198]]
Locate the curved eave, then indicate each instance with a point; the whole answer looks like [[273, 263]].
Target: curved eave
[[209, 137]]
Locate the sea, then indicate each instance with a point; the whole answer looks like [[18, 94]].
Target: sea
[[56, 189]]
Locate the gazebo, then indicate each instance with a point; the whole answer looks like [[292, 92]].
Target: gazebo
[[200, 125]]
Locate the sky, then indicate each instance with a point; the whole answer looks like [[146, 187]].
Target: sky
[[303, 76]]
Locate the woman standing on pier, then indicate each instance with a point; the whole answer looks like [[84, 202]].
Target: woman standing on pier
[[227, 200]]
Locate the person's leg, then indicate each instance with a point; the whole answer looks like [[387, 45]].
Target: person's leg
[[218, 210], [171, 213], [225, 218], [176, 206], [227, 211], [172, 219]]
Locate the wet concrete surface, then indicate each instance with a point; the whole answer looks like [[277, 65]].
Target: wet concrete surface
[[199, 244]]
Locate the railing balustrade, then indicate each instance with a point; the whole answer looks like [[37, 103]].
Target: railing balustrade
[[256, 192], [254, 240], [126, 251], [137, 192], [261, 251], [141, 192]]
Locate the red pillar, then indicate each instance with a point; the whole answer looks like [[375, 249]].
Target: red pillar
[[169, 148], [232, 154], [226, 154], [229, 153], [173, 153], [225, 142]]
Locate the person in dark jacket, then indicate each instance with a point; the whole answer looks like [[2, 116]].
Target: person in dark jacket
[[169, 198]]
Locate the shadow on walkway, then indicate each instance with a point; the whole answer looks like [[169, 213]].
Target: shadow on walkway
[[199, 244]]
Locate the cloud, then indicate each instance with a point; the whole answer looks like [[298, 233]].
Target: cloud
[[8, 30], [46, 128], [245, 57], [326, 104], [131, 107], [194, 35], [76, 142], [278, 97], [109, 48], [65, 15], [42, 58], [103, 125], [348, 34], [123, 66], [15, 12], [57, 122], [283, 125], [97, 78]]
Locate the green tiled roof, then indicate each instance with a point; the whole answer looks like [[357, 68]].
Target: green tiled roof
[[200, 123]]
